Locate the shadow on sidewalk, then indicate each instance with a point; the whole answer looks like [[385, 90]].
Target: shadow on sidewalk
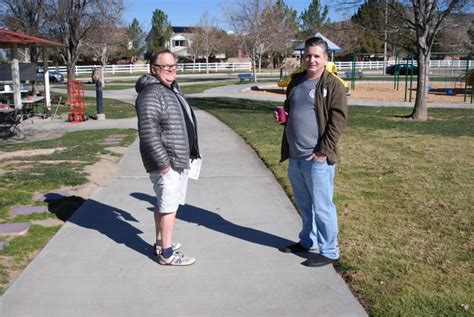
[[214, 221], [113, 223]]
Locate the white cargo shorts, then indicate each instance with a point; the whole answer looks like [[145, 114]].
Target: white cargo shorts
[[170, 189]]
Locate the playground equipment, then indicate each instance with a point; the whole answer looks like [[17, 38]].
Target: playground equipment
[[462, 80], [330, 66], [463, 83]]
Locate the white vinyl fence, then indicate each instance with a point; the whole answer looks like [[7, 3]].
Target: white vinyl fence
[[247, 67], [144, 68]]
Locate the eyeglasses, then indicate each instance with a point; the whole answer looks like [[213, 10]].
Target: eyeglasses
[[166, 67]]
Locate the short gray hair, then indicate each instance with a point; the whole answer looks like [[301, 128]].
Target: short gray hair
[[316, 41], [156, 56]]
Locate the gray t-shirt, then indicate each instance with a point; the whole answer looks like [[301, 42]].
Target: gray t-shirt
[[302, 127]]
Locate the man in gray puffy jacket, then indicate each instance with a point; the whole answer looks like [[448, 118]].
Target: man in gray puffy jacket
[[168, 140]]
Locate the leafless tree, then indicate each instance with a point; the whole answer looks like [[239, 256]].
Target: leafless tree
[[25, 16], [343, 33], [283, 26], [457, 37], [106, 39], [206, 37], [258, 26], [74, 20], [194, 48], [423, 19], [426, 18]]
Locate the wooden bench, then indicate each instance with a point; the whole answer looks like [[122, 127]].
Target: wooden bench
[[358, 74], [246, 76]]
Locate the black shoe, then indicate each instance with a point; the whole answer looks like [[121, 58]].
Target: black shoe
[[294, 248], [319, 260]]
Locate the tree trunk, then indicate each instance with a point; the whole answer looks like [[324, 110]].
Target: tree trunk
[[70, 62], [254, 66], [71, 74], [420, 111]]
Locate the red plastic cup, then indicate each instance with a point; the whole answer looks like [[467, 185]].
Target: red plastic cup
[[281, 114]]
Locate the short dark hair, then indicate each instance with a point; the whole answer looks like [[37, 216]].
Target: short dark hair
[[156, 55], [316, 41]]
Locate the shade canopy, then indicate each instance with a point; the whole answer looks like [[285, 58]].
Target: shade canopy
[[331, 45], [13, 40], [8, 37]]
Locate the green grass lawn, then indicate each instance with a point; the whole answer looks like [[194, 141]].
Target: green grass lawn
[[114, 109], [111, 86], [199, 88], [404, 192], [23, 177]]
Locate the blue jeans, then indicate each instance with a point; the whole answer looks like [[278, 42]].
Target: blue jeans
[[313, 187]]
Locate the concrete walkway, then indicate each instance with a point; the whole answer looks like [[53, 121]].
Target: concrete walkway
[[100, 263], [245, 92]]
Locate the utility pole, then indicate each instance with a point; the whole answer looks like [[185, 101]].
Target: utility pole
[[385, 40]]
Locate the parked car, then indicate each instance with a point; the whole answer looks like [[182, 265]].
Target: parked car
[[54, 76], [403, 69]]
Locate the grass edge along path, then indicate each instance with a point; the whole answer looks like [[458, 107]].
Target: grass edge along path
[[113, 108], [63, 168], [404, 205]]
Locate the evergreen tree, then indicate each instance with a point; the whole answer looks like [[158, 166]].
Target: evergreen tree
[[137, 37], [312, 19], [370, 23], [370, 18], [160, 32]]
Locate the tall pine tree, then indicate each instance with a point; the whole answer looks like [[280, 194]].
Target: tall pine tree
[[137, 36], [312, 19], [160, 32]]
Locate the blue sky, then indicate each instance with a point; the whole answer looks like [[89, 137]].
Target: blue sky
[[189, 12]]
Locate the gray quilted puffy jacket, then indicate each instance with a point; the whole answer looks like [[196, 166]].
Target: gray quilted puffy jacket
[[161, 126]]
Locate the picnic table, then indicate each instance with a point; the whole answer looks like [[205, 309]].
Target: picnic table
[[31, 104]]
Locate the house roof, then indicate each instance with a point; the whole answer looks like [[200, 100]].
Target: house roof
[[331, 46], [178, 38], [12, 37], [183, 29]]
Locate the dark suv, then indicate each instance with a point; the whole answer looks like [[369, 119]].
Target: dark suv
[[402, 69], [54, 76]]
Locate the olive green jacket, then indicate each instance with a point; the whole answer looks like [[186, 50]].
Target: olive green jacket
[[331, 114]]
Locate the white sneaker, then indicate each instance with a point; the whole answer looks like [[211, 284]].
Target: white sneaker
[[157, 248], [176, 259]]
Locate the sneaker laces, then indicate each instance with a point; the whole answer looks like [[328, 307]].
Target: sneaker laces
[[176, 257]]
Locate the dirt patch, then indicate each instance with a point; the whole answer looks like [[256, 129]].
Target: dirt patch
[[28, 153], [48, 222], [385, 91], [99, 174]]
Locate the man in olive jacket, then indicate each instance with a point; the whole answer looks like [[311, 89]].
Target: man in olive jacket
[[316, 104], [167, 129]]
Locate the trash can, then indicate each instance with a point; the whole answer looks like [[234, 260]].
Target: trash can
[[75, 100]]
